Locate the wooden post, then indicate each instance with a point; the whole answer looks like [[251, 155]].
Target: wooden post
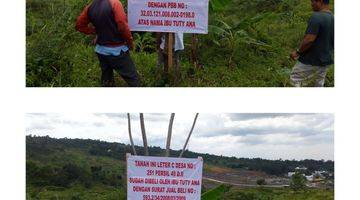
[[127, 181], [142, 124], [130, 135], [168, 141], [194, 50], [170, 50], [169, 46], [188, 138]]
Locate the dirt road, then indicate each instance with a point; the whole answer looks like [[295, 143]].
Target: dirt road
[[242, 184]]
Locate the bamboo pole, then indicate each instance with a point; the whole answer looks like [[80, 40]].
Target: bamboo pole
[[142, 124], [168, 140], [130, 135], [188, 138]]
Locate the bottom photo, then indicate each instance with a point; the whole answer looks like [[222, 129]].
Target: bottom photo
[[180, 156]]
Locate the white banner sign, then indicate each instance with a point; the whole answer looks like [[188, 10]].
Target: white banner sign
[[163, 178], [187, 16]]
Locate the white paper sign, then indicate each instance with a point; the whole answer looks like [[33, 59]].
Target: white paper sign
[[163, 178], [187, 16]]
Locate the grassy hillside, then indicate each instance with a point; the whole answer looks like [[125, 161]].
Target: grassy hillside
[[278, 194], [248, 44], [228, 192], [72, 173], [89, 169]]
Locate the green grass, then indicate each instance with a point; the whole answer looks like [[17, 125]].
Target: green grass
[[46, 156], [58, 56], [98, 192], [279, 194], [215, 194]]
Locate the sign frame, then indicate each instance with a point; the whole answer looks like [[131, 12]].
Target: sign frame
[[196, 195], [145, 17]]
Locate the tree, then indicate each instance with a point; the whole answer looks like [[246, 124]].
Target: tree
[[143, 133], [261, 182], [130, 136], [232, 35], [214, 6], [187, 140], [298, 181], [218, 5], [168, 140]]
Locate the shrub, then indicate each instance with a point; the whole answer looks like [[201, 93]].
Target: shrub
[[298, 181]]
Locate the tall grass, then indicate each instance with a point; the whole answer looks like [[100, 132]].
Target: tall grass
[[248, 46]]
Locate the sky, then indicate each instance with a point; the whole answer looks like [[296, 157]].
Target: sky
[[245, 135]]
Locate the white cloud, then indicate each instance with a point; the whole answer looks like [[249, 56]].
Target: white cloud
[[272, 136]]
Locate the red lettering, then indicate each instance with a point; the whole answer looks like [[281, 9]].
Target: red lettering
[[141, 163], [152, 4]]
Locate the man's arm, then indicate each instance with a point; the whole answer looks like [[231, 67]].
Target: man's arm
[[82, 23], [309, 38], [307, 42], [305, 46], [121, 21]]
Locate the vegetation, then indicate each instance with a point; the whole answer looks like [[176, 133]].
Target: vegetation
[[227, 192], [44, 146], [261, 182], [216, 193], [278, 194], [298, 181], [92, 169], [248, 44]]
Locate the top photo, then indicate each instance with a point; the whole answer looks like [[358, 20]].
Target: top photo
[[180, 43]]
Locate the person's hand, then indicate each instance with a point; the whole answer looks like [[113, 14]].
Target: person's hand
[[294, 55]]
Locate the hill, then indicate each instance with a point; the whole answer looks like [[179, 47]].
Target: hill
[[92, 169]]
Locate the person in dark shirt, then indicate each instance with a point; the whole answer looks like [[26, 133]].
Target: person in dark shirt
[[315, 54], [113, 40]]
